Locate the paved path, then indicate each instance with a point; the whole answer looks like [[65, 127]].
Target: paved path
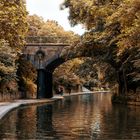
[[5, 107]]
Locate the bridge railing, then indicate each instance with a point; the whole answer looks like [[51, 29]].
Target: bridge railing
[[47, 39]]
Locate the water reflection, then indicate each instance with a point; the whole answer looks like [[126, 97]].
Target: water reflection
[[85, 117], [44, 121], [19, 123]]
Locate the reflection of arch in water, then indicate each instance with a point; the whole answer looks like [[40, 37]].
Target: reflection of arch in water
[[44, 116]]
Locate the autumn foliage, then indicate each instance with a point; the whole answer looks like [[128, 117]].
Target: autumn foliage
[[113, 34], [13, 27], [111, 40]]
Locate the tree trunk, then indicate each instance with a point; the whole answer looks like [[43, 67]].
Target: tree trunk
[[125, 82], [121, 83]]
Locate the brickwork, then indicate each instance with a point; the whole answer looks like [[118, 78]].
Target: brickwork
[[50, 51]]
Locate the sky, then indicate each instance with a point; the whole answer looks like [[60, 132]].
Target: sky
[[50, 9]]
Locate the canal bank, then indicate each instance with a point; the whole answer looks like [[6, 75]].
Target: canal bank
[[6, 107]]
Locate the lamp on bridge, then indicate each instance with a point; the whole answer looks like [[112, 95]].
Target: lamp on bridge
[[40, 55]]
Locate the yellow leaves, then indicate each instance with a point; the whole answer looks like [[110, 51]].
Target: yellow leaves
[[7, 62], [38, 27], [127, 31], [12, 22], [6, 70], [120, 35], [30, 87], [130, 22], [66, 71]]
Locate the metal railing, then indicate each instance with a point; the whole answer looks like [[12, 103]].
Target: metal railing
[[47, 39]]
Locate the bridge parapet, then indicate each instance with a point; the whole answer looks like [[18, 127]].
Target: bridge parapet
[[46, 39]]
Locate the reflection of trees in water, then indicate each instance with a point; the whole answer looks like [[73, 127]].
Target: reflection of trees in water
[[44, 117], [75, 117], [126, 122], [5, 128], [19, 124], [26, 122]]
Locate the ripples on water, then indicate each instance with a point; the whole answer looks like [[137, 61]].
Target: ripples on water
[[83, 117]]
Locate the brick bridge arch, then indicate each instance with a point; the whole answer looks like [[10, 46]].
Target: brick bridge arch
[[46, 56]]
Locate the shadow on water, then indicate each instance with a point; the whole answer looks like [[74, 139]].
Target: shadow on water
[[44, 122]]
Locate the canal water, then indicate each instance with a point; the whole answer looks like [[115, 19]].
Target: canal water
[[81, 117]]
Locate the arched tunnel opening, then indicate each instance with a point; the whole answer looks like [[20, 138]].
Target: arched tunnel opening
[[45, 79], [93, 75]]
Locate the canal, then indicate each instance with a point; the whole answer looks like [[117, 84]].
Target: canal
[[81, 117]]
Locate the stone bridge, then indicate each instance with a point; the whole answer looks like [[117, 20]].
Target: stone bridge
[[45, 54]]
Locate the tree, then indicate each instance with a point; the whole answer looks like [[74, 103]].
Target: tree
[[50, 29], [34, 24], [65, 74], [13, 24], [27, 76], [13, 27], [8, 67], [111, 34]]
